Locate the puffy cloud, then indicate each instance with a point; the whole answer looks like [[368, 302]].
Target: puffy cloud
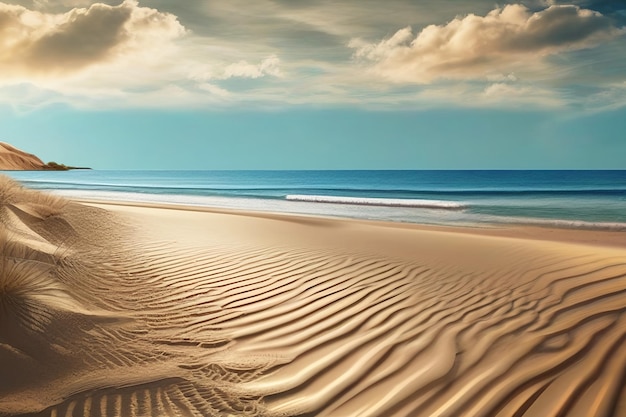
[[242, 69], [39, 44], [476, 46], [108, 55]]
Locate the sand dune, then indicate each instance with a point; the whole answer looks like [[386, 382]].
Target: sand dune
[[12, 158], [134, 311]]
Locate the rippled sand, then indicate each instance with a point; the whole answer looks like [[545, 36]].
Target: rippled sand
[[136, 311]]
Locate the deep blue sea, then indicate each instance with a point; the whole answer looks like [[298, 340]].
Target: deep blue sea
[[574, 199]]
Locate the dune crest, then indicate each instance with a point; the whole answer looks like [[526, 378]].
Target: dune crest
[[137, 311], [12, 158]]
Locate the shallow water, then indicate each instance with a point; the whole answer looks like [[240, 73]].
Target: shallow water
[[574, 199]]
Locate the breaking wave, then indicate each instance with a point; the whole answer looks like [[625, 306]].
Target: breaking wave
[[388, 202]]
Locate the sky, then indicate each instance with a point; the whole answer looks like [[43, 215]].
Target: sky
[[316, 84]]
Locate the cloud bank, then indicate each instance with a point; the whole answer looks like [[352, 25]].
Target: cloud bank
[[46, 44], [477, 46], [277, 53]]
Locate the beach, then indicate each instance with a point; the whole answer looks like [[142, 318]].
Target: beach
[[154, 310]]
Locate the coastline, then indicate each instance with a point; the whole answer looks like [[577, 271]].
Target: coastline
[[592, 200], [606, 238], [140, 309]]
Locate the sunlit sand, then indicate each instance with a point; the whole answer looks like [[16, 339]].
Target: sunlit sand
[[118, 310]]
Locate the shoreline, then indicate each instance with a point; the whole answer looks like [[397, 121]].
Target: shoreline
[[584, 201], [592, 237]]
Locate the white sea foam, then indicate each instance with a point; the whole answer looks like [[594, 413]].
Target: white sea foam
[[388, 202], [446, 212], [562, 223]]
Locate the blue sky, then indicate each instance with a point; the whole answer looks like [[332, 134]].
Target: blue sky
[[319, 84]]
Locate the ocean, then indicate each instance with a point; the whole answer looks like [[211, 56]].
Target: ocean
[[570, 199]]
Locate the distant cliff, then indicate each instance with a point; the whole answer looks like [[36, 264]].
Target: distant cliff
[[13, 159]]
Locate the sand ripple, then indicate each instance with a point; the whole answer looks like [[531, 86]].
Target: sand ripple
[[107, 325]]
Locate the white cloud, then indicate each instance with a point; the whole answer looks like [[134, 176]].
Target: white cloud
[[40, 45], [506, 94], [122, 55], [473, 46], [242, 69]]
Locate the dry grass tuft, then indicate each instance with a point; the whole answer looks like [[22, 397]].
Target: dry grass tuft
[[42, 204]]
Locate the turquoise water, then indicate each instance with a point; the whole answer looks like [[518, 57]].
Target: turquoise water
[[579, 199]]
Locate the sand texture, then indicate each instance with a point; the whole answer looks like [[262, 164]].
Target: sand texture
[[135, 311], [12, 158]]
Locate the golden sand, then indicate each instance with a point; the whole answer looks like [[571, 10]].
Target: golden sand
[[112, 310], [12, 158]]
